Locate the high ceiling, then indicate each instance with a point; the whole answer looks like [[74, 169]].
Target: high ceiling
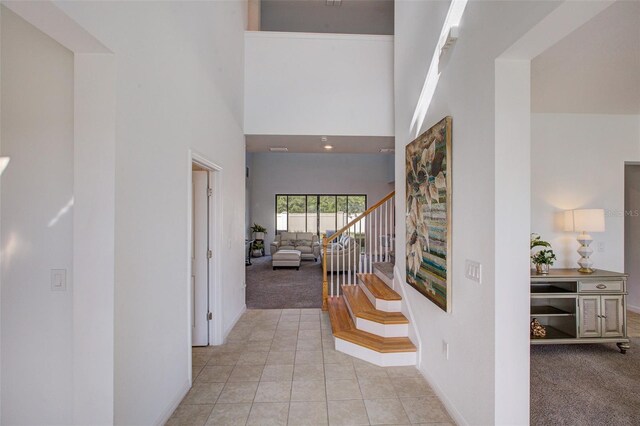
[[310, 144], [322, 16], [595, 69]]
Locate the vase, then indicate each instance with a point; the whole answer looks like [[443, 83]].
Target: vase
[[542, 268]]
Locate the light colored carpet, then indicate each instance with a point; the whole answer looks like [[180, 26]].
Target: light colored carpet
[[585, 385], [285, 287]]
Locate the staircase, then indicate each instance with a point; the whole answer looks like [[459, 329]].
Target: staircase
[[365, 311]]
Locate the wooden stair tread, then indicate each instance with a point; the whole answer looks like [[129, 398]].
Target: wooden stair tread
[[362, 308], [384, 267], [378, 288], [343, 328]]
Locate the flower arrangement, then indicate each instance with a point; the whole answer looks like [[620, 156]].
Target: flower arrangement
[[542, 258]]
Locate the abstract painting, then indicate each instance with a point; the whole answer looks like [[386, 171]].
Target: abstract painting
[[428, 177]]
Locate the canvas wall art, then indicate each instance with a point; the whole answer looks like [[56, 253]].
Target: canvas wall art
[[428, 181]]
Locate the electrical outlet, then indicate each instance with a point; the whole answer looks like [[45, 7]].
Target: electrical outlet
[[445, 350], [473, 270], [601, 246]]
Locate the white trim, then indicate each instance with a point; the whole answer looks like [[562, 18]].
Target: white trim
[[635, 309], [318, 36], [166, 414], [215, 230], [382, 330], [408, 312], [382, 359], [456, 415]]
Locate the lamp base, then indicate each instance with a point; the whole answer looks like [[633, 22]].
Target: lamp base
[[585, 252]]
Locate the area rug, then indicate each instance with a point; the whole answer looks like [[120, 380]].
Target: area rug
[[283, 288], [585, 385]]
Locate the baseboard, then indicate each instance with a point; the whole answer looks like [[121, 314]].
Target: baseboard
[[164, 418], [398, 284], [233, 323], [635, 309], [457, 417]]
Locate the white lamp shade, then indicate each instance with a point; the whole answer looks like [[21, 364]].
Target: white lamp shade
[[588, 220], [568, 221]]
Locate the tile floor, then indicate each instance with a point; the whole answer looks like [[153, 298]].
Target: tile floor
[[279, 368]]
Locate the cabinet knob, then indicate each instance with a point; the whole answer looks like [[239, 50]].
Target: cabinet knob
[[601, 286]]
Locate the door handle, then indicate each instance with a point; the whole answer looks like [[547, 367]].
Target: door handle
[[601, 286]]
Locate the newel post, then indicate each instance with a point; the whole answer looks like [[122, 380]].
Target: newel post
[[325, 283]]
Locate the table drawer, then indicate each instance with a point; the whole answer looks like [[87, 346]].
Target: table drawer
[[600, 286]]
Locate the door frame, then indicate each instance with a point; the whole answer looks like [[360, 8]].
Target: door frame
[[215, 240]]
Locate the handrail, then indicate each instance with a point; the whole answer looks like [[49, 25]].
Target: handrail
[[366, 213], [382, 220]]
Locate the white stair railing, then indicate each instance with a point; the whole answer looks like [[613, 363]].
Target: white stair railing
[[354, 249]]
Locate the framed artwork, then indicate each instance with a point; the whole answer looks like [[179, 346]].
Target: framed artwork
[[428, 191]]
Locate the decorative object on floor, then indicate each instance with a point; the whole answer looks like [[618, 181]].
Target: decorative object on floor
[[537, 330], [542, 259], [258, 231], [428, 183], [583, 221], [258, 248]]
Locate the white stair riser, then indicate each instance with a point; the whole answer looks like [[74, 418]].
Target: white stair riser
[[382, 330], [392, 359], [388, 281], [380, 304]]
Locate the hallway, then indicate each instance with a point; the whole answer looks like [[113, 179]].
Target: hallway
[[279, 367]]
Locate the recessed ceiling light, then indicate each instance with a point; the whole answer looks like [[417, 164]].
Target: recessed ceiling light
[[387, 150], [278, 149], [328, 147]]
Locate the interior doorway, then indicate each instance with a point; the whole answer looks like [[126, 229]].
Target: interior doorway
[[204, 243], [200, 254], [632, 233]]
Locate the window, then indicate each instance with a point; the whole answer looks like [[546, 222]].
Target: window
[[317, 213]]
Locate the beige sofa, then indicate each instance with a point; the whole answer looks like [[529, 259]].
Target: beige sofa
[[343, 255], [305, 242]]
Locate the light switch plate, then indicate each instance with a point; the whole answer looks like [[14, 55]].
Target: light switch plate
[[473, 270], [59, 280]]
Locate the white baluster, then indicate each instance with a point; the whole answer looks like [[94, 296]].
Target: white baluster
[[331, 270]]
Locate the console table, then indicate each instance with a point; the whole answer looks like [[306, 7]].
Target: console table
[[580, 308]]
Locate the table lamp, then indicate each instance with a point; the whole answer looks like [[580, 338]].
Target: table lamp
[[583, 221]]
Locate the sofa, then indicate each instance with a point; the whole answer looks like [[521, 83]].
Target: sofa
[[343, 255], [305, 242]]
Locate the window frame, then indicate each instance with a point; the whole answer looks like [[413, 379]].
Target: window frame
[[317, 213]]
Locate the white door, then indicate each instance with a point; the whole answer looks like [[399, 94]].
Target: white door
[[200, 260]]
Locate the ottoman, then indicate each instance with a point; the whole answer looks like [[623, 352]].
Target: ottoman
[[290, 258]]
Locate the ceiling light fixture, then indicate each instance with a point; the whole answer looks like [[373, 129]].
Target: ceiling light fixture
[[278, 149], [328, 147], [323, 139]]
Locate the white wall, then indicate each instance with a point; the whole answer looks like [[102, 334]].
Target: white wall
[[179, 86], [577, 161], [471, 382], [318, 84], [277, 173], [37, 225]]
